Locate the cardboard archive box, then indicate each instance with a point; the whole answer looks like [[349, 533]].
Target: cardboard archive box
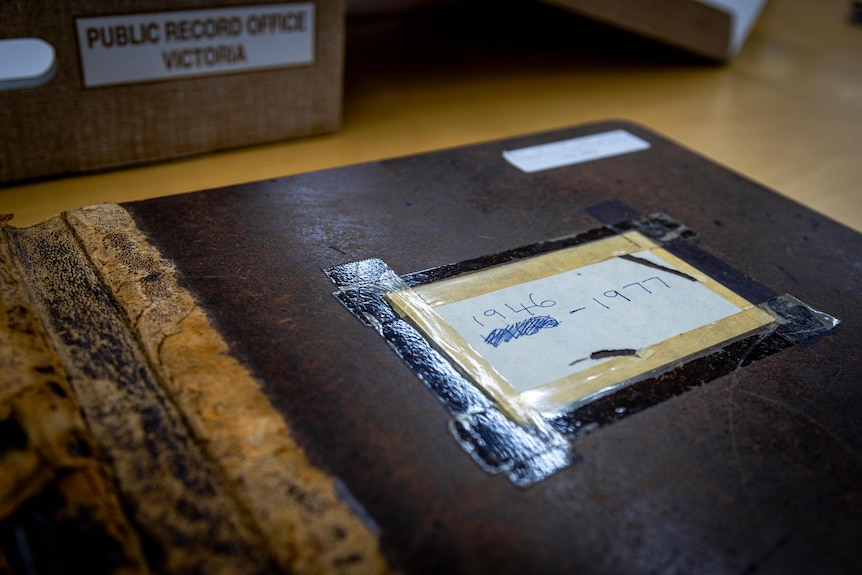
[[136, 82]]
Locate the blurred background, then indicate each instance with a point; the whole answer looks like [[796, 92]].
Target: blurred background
[[421, 75]]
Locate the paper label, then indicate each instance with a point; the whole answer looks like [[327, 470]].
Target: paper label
[[159, 46], [543, 330], [574, 151]]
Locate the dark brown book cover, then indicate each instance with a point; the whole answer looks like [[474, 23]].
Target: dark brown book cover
[[250, 402]]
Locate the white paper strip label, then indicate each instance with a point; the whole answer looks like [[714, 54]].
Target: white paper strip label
[[166, 45], [574, 151], [543, 330]]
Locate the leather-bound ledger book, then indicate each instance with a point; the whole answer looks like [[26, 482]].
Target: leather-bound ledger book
[[583, 351]]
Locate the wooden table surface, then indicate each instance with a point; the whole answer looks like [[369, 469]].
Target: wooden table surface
[[787, 112]]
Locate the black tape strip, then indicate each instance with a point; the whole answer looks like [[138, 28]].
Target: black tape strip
[[500, 445], [475, 264], [718, 270], [797, 323], [613, 211], [457, 394]]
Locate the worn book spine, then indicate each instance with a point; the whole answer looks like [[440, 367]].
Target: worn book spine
[[132, 441]]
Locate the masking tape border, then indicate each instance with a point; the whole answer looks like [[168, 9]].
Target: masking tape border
[[530, 438]]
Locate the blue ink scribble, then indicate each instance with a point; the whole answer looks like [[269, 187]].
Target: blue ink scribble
[[530, 326]]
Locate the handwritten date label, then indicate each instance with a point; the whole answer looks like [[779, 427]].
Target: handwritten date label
[[544, 330]]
